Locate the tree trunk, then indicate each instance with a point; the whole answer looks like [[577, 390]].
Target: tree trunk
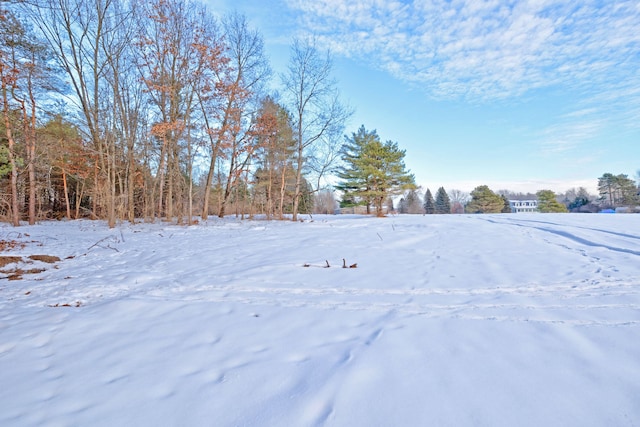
[[269, 195], [207, 190], [79, 191], [112, 196], [229, 184], [131, 182], [66, 193], [31, 156], [212, 163], [296, 196], [94, 201], [282, 192], [15, 214], [160, 176]]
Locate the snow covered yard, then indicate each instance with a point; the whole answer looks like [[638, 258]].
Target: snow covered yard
[[524, 320]]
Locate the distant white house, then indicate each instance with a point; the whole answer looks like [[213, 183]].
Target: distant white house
[[519, 206]]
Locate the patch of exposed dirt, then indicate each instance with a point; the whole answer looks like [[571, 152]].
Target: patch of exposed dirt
[[16, 272], [49, 259], [6, 260]]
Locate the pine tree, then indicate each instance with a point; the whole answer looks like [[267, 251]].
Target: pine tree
[[402, 206], [349, 201], [507, 206], [275, 157], [617, 190], [483, 200], [373, 170], [547, 202], [580, 198], [411, 203], [390, 207], [429, 203], [443, 204], [306, 198]]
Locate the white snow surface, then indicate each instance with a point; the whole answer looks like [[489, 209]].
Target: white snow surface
[[460, 320]]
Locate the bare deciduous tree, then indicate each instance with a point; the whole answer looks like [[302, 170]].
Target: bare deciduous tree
[[79, 33], [324, 202], [459, 200], [11, 33], [247, 71], [313, 96]]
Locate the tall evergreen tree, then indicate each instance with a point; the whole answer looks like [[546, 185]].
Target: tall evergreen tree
[[547, 202], [483, 200], [617, 190], [443, 203], [411, 203], [429, 203], [305, 205], [506, 208], [373, 170], [275, 158], [390, 204], [576, 198], [402, 206]]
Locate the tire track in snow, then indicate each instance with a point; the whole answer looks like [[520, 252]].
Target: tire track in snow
[[614, 242], [571, 236], [590, 229]]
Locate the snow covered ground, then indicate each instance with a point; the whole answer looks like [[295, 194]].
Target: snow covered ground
[[497, 320]]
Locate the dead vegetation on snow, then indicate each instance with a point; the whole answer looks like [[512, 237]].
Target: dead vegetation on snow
[[18, 264], [327, 265]]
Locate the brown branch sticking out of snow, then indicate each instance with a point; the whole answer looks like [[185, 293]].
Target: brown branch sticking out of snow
[[327, 265]]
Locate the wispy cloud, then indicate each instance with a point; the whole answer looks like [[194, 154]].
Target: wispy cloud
[[487, 49], [572, 130]]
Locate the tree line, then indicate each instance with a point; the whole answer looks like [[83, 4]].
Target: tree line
[[122, 110], [614, 191]]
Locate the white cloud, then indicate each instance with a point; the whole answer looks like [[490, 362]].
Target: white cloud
[[571, 132], [486, 49]]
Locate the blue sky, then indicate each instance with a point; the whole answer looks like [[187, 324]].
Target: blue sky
[[515, 94]]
